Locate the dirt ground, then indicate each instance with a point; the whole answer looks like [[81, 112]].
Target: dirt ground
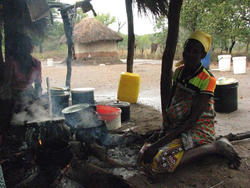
[[145, 115]]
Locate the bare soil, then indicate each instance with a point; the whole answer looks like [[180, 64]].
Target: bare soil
[[145, 115]]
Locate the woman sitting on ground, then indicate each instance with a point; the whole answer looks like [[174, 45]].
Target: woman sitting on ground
[[188, 130]]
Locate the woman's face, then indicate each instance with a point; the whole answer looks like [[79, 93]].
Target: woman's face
[[25, 46], [193, 53]]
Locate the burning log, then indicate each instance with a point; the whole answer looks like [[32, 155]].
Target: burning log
[[79, 150], [92, 176], [39, 179], [2, 181]]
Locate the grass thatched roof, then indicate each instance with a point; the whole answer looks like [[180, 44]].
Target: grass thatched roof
[[90, 30]]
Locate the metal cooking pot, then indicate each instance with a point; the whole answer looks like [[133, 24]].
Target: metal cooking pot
[[53, 152], [124, 106], [59, 102], [97, 134], [59, 90], [55, 128], [83, 95], [76, 113]]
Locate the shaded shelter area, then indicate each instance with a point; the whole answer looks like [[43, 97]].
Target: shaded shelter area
[[17, 18], [31, 18], [43, 162]]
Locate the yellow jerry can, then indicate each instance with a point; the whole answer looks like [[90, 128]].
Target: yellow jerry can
[[129, 87]]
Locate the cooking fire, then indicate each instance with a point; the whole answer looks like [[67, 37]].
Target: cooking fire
[[54, 151]]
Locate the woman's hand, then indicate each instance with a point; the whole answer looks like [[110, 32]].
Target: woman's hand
[[162, 133], [149, 153]]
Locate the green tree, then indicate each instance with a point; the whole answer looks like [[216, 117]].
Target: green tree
[[161, 25], [191, 14], [143, 42], [80, 15], [106, 19], [226, 21], [124, 43], [55, 32], [244, 16]]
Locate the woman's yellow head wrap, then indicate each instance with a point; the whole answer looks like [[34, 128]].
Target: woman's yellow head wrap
[[204, 38]]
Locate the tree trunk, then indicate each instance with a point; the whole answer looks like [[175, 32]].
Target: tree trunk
[[131, 36], [247, 47], [11, 20], [68, 28], [232, 45], [168, 54], [41, 48]]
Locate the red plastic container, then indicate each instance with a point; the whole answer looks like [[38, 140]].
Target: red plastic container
[[107, 113]]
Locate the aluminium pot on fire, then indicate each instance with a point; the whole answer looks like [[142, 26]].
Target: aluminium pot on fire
[[76, 113], [96, 133]]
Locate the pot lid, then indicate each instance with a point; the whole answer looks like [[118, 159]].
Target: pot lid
[[225, 81], [83, 89], [119, 104], [59, 88], [75, 108], [47, 119]]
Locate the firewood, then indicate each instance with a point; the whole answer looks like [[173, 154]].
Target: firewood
[[230, 136], [79, 150], [92, 176], [237, 136], [41, 179]]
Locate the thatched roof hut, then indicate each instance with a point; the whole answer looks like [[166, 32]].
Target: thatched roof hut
[[93, 39], [90, 30]]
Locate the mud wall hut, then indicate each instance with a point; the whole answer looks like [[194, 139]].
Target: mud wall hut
[[93, 39]]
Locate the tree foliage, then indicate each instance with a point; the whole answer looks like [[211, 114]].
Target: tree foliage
[[227, 21], [161, 25], [143, 42], [80, 15], [106, 19]]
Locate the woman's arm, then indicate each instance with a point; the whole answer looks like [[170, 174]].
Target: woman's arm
[[38, 80], [197, 109], [38, 89]]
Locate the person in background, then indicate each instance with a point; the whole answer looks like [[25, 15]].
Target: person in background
[[188, 122], [206, 60], [24, 75]]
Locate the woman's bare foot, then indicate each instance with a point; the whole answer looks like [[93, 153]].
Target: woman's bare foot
[[225, 148]]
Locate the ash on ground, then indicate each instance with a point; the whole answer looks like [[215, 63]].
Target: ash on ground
[[123, 155]]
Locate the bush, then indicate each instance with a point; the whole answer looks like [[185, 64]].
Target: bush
[[122, 54]]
